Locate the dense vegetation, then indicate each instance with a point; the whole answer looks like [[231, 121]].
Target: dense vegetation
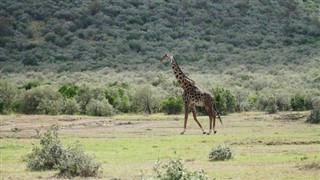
[[252, 55]]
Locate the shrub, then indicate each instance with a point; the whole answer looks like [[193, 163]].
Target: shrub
[[47, 156], [69, 91], [220, 153], [314, 117], [50, 106], [31, 85], [86, 94], [70, 106], [172, 105], [7, 94], [40, 100], [99, 108], [145, 100], [51, 155], [118, 97], [298, 103], [225, 100], [175, 170], [74, 162]]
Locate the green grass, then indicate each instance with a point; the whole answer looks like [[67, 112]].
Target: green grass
[[264, 146]]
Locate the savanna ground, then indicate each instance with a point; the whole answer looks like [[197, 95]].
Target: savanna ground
[[278, 146]]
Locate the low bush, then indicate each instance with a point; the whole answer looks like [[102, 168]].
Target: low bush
[[314, 117], [225, 100], [7, 94], [220, 153], [74, 162], [52, 155], [99, 108], [70, 106], [175, 170], [46, 157], [40, 100], [172, 105]]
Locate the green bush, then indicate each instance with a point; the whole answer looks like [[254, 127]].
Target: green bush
[[40, 100], [52, 155], [225, 100], [220, 153], [172, 105], [99, 108], [298, 103], [7, 94], [74, 162], [46, 157], [118, 96], [314, 117], [145, 100], [70, 106], [50, 106], [69, 91], [175, 170]]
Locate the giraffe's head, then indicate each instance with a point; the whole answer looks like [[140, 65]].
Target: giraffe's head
[[167, 57]]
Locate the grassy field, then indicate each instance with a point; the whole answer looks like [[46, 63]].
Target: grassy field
[[278, 146]]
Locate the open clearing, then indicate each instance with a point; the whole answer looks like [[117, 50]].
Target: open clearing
[[278, 146]]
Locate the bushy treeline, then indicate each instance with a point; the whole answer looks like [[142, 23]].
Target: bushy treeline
[[86, 35], [113, 98]]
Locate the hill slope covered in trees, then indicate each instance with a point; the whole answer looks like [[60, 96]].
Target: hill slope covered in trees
[[87, 35], [263, 53]]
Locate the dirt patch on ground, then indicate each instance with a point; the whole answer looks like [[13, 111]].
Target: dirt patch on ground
[[270, 143]]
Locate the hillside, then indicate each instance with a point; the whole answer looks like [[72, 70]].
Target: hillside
[[128, 35], [251, 54]]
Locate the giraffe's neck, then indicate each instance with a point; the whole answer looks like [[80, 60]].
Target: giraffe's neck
[[180, 76]]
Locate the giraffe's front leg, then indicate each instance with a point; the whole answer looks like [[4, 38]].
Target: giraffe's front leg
[[195, 118]]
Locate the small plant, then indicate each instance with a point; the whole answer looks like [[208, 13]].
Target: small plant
[[74, 162], [46, 157], [175, 170], [220, 153]]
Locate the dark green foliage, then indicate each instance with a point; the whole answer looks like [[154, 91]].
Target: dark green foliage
[[31, 85], [118, 96], [175, 170], [172, 105], [69, 91], [220, 153], [298, 103], [225, 100], [52, 155], [142, 27], [314, 117], [1, 107]]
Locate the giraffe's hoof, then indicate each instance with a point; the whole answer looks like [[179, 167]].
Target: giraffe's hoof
[[182, 133], [204, 132], [215, 132], [208, 133]]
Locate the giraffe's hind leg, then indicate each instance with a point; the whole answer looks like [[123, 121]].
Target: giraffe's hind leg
[[212, 119]]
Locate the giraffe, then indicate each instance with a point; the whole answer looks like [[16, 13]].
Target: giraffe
[[193, 96]]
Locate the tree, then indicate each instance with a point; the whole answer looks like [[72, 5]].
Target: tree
[[145, 100]]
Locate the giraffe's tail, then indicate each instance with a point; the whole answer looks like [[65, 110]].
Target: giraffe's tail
[[217, 112]]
